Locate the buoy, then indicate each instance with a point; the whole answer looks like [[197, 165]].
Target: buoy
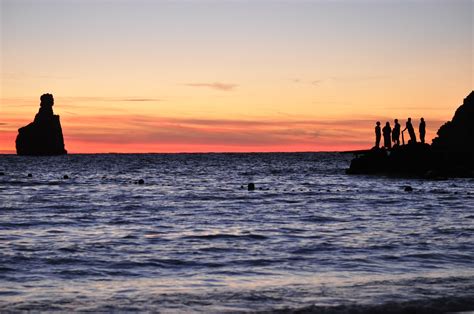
[[30, 175], [66, 176], [141, 181], [251, 187], [408, 188]]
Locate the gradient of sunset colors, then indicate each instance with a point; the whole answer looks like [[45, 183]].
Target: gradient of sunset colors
[[232, 76]]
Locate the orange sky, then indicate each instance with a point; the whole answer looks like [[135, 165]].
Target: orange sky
[[160, 76]]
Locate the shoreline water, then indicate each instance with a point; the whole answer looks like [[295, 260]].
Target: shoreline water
[[190, 239]]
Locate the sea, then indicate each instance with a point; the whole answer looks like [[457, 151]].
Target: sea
[[80, 233]]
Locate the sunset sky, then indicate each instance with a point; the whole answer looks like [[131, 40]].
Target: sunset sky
[[200, 76]]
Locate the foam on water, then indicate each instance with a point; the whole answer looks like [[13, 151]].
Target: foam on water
[[192, 238]]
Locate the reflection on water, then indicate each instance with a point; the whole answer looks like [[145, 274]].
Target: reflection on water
[[192, 238]]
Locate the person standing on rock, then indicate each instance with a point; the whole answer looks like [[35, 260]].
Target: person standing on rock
[[422, 130], [411, 131], [387, 131], [378, 134], [396, 133]]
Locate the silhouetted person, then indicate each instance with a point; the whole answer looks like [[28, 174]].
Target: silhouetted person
[[411, 131], [396, 133], [378, 134], [422, 130], [387, 131]]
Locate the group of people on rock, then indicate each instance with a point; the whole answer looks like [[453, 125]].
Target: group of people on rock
[[393, 135]]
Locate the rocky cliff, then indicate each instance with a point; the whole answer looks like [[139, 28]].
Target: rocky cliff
[[450, 155], [44, 135], [457, 135]]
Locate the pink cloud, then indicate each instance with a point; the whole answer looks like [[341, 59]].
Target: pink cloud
[[140, 133], [262, 134], [215, 85]]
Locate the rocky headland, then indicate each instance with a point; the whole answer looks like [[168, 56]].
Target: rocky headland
[[450, 155], [43, 136]]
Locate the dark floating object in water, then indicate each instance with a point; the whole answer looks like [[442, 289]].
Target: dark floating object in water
[[450, 155], [2, 173], [30, 175], [44, 135], [408, 189], [66, 176], [141, 181], [251, 187]]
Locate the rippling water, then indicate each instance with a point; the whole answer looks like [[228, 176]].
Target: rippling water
[[192, 238]]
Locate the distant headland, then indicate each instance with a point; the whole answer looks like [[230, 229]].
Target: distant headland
[[450, 155], [43, 136]]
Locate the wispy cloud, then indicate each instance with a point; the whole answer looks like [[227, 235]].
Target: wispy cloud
[[112, 99], [359, 78], [224, 132], [341, 79], [22, 76], [123, 132], [215, 85], [35, 99], [140, 99], [301, 81]]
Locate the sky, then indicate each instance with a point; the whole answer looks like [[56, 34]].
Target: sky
[[232, 76]]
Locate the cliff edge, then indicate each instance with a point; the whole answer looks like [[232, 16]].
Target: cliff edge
[[457, 135], [450, 155]]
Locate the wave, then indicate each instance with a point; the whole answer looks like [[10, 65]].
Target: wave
[[191, 225], [452, 304], [226, 236]]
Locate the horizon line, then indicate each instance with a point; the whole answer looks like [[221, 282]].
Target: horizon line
[[208, 152]]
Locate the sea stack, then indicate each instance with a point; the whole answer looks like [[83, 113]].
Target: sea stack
[[43, 136]]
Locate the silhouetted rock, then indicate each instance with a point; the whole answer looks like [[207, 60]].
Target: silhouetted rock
[[44, 135], [453, 148], [450, 155], [457, 135]]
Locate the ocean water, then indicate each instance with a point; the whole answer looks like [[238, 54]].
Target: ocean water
[[192, 238]]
